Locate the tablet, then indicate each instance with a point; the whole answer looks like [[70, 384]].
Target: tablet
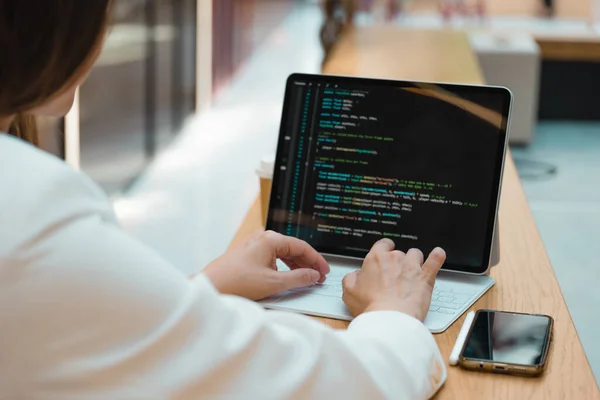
[[418, 162]]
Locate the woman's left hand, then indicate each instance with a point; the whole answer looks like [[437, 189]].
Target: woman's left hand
[[250, 271]]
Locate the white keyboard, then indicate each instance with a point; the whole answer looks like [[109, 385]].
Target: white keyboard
[[445, 299], [453, 294]]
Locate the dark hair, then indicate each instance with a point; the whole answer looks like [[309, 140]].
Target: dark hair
[[44, 45]]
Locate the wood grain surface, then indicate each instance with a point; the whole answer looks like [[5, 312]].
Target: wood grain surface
[[583, 48], [390, 52]]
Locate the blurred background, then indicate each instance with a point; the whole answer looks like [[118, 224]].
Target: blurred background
[[186, 99]]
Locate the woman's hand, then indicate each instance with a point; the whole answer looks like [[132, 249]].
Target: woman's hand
[[250, 270], [392, 280]]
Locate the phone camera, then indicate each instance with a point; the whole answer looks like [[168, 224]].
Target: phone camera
[[481, 365]]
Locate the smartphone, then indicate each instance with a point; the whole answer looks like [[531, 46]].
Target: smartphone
[[507, 342]]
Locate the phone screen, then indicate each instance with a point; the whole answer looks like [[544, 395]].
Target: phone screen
[[508, 338]]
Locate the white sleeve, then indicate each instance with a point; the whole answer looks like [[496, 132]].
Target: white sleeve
[[89, 313]]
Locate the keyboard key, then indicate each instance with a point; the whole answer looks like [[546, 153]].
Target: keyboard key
[[433, 309], [446, 299], [447, 305], [462, 297], [463, 292], [446, 311], [324, 289]]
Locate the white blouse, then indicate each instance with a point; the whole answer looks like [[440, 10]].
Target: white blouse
[[87, 312]]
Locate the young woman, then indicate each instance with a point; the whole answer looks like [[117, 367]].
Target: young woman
[[90, 313]]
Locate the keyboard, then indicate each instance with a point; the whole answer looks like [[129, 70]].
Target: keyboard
[[453, 294], [446, 299]]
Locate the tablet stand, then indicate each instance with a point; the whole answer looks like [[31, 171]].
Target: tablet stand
[[495, 258]]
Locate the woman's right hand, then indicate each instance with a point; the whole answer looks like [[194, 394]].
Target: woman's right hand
[[392, 280]]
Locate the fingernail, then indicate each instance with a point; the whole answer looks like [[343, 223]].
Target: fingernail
[[315, 275], [439, 251]]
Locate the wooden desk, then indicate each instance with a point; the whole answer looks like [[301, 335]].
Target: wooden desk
[[391, 52], [555, 46], [584, 48], [525, 280]]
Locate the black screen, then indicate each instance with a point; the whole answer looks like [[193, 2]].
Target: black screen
[[359, 160], [508, 338]]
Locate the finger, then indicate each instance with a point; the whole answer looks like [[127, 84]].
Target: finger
[[384, 244], [294, 265], [296, 250], [348, 286], [415, 256], [434, 262], [296, 278], [398, 255], [349, 281]]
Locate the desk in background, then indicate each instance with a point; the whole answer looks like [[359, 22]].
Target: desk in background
[[569, 45], [525, 280]]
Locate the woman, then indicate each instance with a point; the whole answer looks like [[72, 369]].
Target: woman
[[89, 313]]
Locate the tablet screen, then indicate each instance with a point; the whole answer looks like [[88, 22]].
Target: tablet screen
[[420, 163]]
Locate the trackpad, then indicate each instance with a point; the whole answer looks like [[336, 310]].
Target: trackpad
[[322, 306]]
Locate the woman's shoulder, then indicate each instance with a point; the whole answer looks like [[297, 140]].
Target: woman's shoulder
[[26, 171], [38, 189]]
